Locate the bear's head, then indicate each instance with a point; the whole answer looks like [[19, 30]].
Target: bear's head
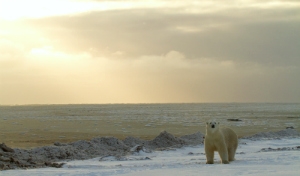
[[212, 126]]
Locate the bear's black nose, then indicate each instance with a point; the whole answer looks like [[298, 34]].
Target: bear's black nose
[[213, 126]]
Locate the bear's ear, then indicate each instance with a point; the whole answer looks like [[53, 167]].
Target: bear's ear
[[206, 123]]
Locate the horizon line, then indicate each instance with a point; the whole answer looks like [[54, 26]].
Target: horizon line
[[53, 104]]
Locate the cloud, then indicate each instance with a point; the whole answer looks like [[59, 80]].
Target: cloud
[[239, 33]]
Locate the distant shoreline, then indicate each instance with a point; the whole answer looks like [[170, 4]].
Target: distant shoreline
[[40, 125]]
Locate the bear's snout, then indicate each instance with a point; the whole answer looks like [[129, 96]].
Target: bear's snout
[[212, 126]]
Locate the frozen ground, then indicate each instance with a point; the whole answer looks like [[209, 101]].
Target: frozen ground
[[263, 154]]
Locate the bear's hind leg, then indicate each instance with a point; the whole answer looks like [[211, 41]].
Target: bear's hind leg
[[231, 154]]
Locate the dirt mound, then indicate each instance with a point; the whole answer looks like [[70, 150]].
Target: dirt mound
[[297, 148], [164, 140], [287, 133], [194, 139], [132, 141], [48, 156]]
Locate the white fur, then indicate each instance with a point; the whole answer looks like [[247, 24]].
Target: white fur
[[224, 140]]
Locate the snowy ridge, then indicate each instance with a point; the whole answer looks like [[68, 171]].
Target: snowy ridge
[[276, 154], [184, 161]]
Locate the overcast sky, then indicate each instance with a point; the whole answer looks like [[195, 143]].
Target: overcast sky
[[160, 51]]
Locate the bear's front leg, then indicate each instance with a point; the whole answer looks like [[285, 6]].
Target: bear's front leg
[[223, 154], [209, 155]]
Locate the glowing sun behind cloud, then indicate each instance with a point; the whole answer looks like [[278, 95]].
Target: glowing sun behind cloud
[[17, 9]]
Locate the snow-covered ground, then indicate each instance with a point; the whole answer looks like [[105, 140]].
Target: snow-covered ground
[[261, 157]]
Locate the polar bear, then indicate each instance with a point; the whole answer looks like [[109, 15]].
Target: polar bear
[[221, 139]]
